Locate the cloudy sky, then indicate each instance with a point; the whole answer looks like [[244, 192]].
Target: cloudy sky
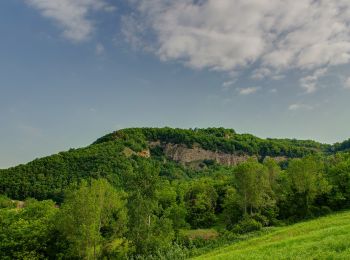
[[73, 70]]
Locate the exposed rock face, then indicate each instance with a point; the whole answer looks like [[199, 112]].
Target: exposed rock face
[[183, 154], [145, 153]]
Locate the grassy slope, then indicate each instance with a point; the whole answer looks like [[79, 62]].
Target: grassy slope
[[324, 238]]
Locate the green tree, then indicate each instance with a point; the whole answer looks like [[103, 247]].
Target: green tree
[[25, 233], [307, 181], [231, 207], [338, 173], [273, 170], [200, 200], [252, 184], [92, 219], [149, 229]]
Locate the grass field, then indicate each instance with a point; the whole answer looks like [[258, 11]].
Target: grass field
[[323, 238]]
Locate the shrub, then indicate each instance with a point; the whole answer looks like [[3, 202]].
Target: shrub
[[6, 202], [261, 219], [247, 225], [319, 211]]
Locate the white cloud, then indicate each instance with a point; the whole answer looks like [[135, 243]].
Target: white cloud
[[248, 91], [309, 83], [228, 84], [347, 83], [110, 8], [100, 49], [261, 73], [298, 106], [228, 35], [72, 16]]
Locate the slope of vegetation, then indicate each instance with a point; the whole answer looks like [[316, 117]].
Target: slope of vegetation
[[46, 178], [111, 200], [324, 238], [220, 139]]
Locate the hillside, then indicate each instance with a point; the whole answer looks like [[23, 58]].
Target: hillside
[[163, 193], [111, 155], [219, 140], [323, 238]]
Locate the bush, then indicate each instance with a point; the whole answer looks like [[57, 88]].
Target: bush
[[261, 219], [319, 211], [324, 210], [247, 225], [6, 202]]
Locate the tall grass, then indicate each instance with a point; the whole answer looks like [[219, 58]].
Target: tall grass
[[323, 238]]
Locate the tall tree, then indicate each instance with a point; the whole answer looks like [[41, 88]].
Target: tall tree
[[307, 181], [92, 217], [252, 185], [338, 173], [201, 199], [148, 229]]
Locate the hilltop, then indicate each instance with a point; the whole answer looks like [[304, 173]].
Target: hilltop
[[111, 154]]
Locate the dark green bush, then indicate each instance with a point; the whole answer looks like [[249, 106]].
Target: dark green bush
[[5, 202], [263, 220], [247, 225]]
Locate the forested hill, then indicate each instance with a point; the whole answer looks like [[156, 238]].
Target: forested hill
[[117, 153], [163, 193], [219, 139]]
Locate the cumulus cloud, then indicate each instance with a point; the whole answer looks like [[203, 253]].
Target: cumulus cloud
[[100, 49], [298, 106], [309, 83], [72, 16], [230, 35], [228, 84], [347, 83], [261, 73], [248, 91]]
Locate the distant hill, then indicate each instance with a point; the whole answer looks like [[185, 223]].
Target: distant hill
[[219, 139], [185, 150]]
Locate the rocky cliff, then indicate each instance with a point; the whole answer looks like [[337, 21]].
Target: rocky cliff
[[183, 154]]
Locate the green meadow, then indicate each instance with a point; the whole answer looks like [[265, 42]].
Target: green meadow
[[323, 238]]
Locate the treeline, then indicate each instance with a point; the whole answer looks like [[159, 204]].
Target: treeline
[[219, 139], [48, 177], [340, 147], [145, 212]]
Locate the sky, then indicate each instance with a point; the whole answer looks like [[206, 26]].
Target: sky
[[74, 70]]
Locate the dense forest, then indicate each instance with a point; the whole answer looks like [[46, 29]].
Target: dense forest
[[111, 201]]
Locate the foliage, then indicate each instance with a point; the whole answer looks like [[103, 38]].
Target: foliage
[[92, 221], [218, 139], [5, 202], [247, 225], [110, 201], [324, 238], [200, 202], [26, 233], [252, 184], [306, 181]]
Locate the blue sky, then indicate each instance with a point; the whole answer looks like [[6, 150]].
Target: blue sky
[[73, 70]]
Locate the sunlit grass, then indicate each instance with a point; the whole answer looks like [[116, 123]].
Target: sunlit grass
[[324, 238]]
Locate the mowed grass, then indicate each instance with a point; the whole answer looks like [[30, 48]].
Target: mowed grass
[[323, 238]]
